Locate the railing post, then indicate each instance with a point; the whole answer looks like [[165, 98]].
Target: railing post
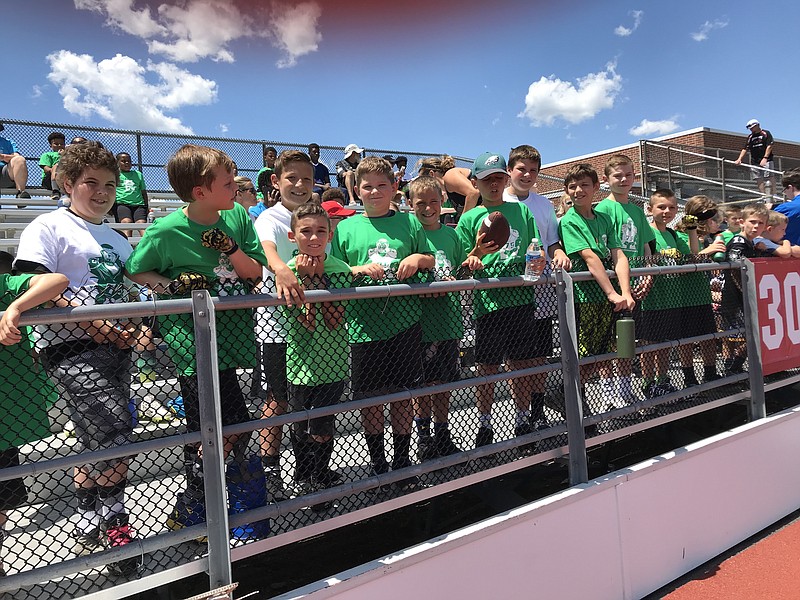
[[643, 164], [757, 408], [570, 371], [722, 177], [139, 150], [205, 336]]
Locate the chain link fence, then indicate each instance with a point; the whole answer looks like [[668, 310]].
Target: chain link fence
[[445, 393]]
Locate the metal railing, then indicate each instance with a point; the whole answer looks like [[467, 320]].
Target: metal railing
[[577, 419]]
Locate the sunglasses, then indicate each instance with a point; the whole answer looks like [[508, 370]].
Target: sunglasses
[[252, 190]]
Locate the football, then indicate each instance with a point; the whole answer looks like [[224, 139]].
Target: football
[[496, 228]]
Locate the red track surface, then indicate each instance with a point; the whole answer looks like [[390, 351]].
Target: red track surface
[[769, 569]]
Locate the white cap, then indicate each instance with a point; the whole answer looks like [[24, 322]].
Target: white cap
[[752, 122], [350, 148]]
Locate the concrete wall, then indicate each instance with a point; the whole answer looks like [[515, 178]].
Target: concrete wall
[[622, 536]]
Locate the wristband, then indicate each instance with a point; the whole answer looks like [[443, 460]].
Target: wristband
[[232, 250]]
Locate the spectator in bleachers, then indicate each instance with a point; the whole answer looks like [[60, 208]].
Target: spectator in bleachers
[[322, 176], [733, 219], [54, 177], [759, 143], [131, 205], [332, 204], [463, 196], [264, 177], [48, 160], [346, 171], [13, 169], [791, 208], [208, 244], [561, 204], [246, 195], [401, 162], [25, 396], [92, 361]]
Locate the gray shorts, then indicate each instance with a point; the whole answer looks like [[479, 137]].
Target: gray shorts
[[96, 382], [5, 178]]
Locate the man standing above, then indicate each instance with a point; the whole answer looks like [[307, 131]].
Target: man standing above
[[13, 170], [346, 170], [791, 208], [322, 177], [759, 143]]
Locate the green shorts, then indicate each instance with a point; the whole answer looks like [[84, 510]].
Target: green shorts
[[595, 328]]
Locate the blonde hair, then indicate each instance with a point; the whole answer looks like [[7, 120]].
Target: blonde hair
[[423, 184], [777, 219], [374, 164], [194, 165]]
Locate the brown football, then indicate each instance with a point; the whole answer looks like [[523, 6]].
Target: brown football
[[496, 227]]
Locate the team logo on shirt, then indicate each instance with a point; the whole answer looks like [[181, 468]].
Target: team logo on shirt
[[107, 272], [509, 251], [382, 254], [628, 235], [129, 185]]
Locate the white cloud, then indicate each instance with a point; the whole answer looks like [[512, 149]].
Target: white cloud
[[295, 30], [121, 15], [192, 30], [648, 128], [623, 31], [36, 92], [551, 98], [223, 128], [702, 34], [126, 93]]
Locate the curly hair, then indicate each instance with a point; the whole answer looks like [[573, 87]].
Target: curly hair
[[79, 157]]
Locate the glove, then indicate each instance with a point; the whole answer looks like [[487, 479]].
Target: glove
[[218, 240], [689, 222], [671, 253], [186, 282]]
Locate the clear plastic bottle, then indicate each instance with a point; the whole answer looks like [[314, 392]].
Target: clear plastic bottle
[[719, 256], [151, 216], [534, 261]]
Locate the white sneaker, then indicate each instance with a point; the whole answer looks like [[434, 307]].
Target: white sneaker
[[150, 409]]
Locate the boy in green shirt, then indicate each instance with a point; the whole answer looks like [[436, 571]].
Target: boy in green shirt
[[591, 241], [506, 328], [317, 350], [636, 237], [48, 160], [442, 327], [385, 333], [208, 244]]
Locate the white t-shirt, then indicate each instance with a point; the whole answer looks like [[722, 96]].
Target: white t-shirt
[[545, 216], [91, 256], [273, 225]]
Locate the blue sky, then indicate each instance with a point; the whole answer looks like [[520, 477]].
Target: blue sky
[[570, 77]]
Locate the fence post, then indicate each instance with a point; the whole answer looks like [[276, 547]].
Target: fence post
[[139, 150], [205, 336], [570, 371], [757, 408]]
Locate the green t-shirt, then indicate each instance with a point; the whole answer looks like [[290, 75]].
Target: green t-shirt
[[506, 262], [25, 390], [696, 290], [598, 235], [48, 159], [441, 316], [727, 235], [130, 188], [631, 225], [171, 246], [320, 356], [667, 291], [386, 241]]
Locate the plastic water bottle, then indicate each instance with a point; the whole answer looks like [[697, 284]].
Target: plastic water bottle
[[151, 216], [534, 263], [719, 256]]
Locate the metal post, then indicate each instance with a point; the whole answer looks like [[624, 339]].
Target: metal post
[[757, 408], [205, 337], [139, 150], [643, 164], [669, 167], [570, 371], [722, 177]]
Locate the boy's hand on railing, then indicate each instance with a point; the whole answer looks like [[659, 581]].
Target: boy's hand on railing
[[372, 270], [218, 240], [187, 282], [621, 302], [9, 332]]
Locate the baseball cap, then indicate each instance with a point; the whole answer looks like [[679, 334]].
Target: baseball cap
[[752, 122], [488, 163], [350, 148], [334, 209]]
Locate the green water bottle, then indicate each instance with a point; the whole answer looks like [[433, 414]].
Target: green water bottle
[[719, 256], [626, 336]]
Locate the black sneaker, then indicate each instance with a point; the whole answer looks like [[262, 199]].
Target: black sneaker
[[276, 491], [379, 468], [55, 195], [329, 478], [409, 484], [118, 532], [444, 443], [484, 437], [524, 428], [426, 449], [308, 486], [86, 542], [23, 194]]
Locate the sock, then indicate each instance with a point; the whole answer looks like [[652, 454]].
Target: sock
[[423, 426], [625, 387], [709, 372], [738, 363], [689, 377], [485, 420], [402, 450], [111, 499], [537, 406], [608, 388], [523, 416], [316, 451], [727, 364], [325, 456], [88, 518], [375, 445], [440, 428], [303, 456]]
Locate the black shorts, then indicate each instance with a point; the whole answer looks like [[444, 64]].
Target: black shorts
[[440, 361], [512, 333], [12, 491], [231, 399], [674, 323], [307, 397], [388, 365], [125, 211], [733, 318], [273, 366]]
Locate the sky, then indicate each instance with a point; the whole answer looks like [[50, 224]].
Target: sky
[[571, 77]]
